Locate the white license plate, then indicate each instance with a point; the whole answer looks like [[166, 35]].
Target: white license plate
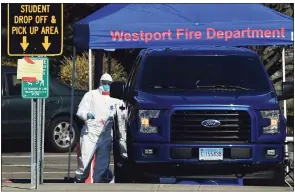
[[209, 154]]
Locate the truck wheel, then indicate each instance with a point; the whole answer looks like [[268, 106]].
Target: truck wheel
[[121, 176], [277, 180], [57, 136], [122, 170]]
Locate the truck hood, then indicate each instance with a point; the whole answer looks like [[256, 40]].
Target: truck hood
[[164, 100]]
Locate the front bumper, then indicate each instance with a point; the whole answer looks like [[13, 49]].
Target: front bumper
[[181, 161], [207, 171], [234, 154]]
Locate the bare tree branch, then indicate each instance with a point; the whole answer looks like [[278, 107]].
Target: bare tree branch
[[280, 78], [274, 60]]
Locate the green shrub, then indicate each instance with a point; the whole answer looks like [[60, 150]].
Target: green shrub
[[82, 70], [8, 62]]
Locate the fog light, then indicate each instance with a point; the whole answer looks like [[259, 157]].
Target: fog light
[[148, 152], [149, 129], [270, 152]]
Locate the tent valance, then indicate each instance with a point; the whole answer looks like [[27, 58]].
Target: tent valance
[[121, 26]]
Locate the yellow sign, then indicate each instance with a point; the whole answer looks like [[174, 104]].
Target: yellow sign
[[35, 29], [25, 69]]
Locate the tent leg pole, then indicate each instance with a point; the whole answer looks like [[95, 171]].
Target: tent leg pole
[[285, 102], [109, 63], [90, 69], [72, 109], [284, 79]]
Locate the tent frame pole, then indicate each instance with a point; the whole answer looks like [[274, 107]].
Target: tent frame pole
[[284, 79], [109, 62], [90, 69], [285, 105], [72, 109]]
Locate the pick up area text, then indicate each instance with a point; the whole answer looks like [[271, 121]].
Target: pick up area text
[[183, 33]]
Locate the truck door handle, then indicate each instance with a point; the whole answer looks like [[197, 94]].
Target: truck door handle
[[52, 101]]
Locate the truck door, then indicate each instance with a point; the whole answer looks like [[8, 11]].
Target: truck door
[[53, 103], [131, 88], [17, 109], [130, 85], [4, 122]]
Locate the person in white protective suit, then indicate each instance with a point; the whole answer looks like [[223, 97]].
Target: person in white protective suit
[[122, 115], [96, 109]]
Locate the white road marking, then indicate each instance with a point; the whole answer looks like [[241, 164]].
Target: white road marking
[[47, 165], [12, 173], [53, 178], [29, 156]]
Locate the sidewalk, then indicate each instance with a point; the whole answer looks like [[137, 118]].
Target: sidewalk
[[135, 187]]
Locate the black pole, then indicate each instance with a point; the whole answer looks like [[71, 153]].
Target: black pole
[[109, 62], [98, 67], [72, 109]]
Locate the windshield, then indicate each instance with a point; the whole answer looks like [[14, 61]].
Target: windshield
[[204, 73]]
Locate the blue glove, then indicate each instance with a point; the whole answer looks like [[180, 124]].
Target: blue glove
[[110, 118], [90, 116]]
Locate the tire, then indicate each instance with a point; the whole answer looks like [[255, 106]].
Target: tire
[[277, 180], [121, 174], [57, 137], [127, 173]]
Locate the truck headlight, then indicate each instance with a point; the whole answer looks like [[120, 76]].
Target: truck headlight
[[145, 116], [273, 116]]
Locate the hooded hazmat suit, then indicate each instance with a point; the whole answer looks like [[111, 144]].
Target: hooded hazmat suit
[[96, 109]]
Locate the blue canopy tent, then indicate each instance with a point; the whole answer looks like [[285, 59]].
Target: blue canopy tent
[[123, 26]]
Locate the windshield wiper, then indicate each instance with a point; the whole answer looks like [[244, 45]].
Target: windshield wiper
[[222, 86], [162, 87]]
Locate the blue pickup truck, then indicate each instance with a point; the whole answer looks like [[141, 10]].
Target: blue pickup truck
[[202, 112]]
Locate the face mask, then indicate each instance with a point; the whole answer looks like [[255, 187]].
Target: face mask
[[106, 88]]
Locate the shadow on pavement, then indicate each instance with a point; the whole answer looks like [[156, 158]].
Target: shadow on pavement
[[20, 145], [65, 180]]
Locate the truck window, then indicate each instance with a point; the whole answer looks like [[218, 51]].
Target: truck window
[[199, 72], [135, 73], [132, 79], [14, 84]]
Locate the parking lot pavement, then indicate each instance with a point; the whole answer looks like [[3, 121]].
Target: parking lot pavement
[[18, 165], [137, 187]]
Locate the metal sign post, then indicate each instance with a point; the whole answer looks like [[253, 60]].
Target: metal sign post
[[33, 143], [37, 89]]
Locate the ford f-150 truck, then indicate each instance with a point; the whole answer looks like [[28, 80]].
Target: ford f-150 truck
[[202, 112]]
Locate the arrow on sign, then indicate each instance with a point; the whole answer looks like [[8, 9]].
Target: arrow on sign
[[24, 44], [46, 44]]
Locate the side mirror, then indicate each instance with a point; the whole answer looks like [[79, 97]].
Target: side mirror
[[117, 90], [287, 91]]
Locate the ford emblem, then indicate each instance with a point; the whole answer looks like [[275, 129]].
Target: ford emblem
[[211, 123]]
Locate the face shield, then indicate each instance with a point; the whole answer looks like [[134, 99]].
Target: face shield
[[105, 85]]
